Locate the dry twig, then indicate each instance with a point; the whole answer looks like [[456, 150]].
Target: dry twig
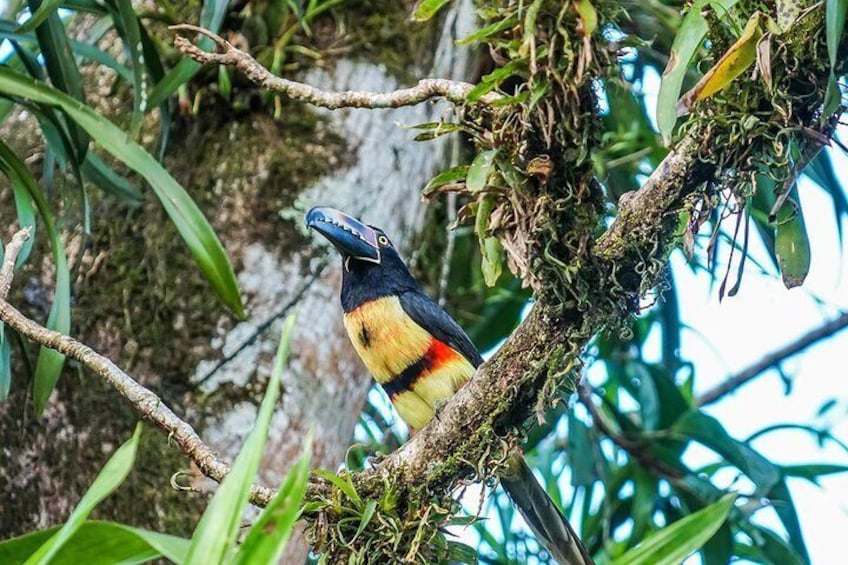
[[425, 89]]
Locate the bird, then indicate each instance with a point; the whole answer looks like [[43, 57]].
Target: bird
[[421, 357]]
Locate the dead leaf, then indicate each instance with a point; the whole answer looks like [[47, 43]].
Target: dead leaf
[[733, 63]]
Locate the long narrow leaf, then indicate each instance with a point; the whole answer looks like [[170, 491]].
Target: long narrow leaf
[[99, 543], [215, 535], [267, 538], [672, 544], [50, 362], [110, 478], [5, 363], [126, 22], [835, 12], [187, 217], [61, 68], [41, 13], [690, 36]]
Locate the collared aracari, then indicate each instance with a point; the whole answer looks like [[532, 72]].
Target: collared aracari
[[421, 357]]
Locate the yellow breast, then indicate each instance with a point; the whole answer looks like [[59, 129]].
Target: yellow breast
[[386, 339]]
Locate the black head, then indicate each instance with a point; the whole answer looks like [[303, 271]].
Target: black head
[[372, 267]]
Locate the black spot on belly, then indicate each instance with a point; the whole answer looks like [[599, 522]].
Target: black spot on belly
[[364, 336]]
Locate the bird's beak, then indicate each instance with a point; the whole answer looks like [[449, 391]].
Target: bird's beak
[[350, 236]]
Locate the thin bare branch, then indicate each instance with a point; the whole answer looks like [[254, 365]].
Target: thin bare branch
[[7, 270], [773, 359], [425, 89], [145, 402]]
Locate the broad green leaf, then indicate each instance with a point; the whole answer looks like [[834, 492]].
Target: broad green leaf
[[40, 14], [211, 17], [733, 63], [835, 11], [709, 432], [792, 244], [216, 532], [581, 453], [5, 363], [688, 41], [110, 478], [50, 362], [672, 544], [187, 217], [99, 543], [426, 9], [267, 537], [480, 169]]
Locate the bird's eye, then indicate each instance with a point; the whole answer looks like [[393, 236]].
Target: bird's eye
[[383, 240]]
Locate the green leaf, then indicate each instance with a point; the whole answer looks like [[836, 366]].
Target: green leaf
[[781, 500], [835, 11], [101, 174], [211, 17], [449, 176], [187, 217], [62, 69], [733, 63], [812, 471], [426, 9], [820, 171], [690, 36], [490, 29], [40, 14], [99, 543], [128, 27], [216, 532], [792, 244], [50, 362], [709, 432], [110, 478], [5, 363], [672, 544], [267, 538], [343, 483], [581, 453], [480, 169]]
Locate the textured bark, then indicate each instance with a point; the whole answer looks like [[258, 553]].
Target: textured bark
[[141, 301]]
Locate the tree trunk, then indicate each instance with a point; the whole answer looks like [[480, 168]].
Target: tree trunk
[[141, 301]]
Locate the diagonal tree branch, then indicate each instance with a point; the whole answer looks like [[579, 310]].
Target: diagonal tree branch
[[425, 89], [773, 359], [144, 401]]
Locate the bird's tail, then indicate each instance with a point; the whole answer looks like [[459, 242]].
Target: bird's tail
[[550, 527]]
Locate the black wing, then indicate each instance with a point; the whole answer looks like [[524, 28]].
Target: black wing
[[430, 316]]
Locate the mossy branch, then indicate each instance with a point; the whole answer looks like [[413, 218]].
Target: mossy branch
[[425, 89]]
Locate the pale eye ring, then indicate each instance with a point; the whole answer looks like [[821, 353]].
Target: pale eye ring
[[383, 240]]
